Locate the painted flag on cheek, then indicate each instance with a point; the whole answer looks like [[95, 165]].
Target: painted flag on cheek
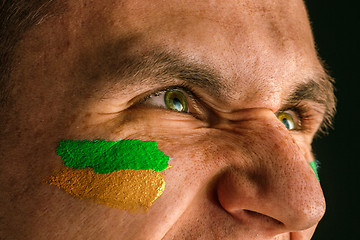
[[123, 174]]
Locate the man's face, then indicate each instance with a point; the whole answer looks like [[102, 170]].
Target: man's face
[[98, 71]]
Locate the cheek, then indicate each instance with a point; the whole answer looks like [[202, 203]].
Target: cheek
[[197, 160], [123, 174], [198, 154]]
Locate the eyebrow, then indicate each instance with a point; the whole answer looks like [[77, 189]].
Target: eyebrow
[[162, 67]]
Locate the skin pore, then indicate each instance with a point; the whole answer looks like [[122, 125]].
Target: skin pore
[[96, 71]]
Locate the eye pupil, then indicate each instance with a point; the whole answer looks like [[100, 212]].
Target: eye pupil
[[177, 104], [286, 123]]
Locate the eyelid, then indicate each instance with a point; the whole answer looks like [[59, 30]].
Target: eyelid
[[156, 93], [304, 115], [196, 107], [182, 87], [295, 117]]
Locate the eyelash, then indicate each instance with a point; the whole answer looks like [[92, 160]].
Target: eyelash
[[183, 86], [188, 90], [303, 114], [301, 110]]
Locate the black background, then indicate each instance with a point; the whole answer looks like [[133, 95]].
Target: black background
[[336, 27]]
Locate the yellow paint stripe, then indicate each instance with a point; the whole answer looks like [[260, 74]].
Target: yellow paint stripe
[[125, 189]]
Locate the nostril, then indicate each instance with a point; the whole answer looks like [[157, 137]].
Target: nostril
[[265, 224], [248, 217], [261, 217]]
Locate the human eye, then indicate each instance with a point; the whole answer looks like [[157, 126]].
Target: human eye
[[177, 99], [172, 99], [300, 118], [289, 119]]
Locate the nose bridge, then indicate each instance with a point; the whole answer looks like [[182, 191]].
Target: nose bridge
[[269, 174]]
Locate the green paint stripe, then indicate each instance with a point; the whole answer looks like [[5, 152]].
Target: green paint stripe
[[109, 156], [314, 166]]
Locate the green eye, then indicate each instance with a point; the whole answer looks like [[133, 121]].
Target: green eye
[[286, 119], [176, 100]]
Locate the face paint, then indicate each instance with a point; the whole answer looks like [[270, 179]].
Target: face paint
[[123, 174], [126, 189], [314, 166], [109, 156]]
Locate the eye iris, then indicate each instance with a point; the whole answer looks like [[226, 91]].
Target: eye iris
[[287, 120], [175, 100]]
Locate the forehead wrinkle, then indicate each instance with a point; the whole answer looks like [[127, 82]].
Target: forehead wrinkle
[[125, 66]]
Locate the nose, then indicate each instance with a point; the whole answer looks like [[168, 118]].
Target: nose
[[268, 185]]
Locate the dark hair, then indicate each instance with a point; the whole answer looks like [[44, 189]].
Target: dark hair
[[16, 16]]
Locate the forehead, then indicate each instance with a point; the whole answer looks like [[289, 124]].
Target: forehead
[[261, 44], [259, 48]]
